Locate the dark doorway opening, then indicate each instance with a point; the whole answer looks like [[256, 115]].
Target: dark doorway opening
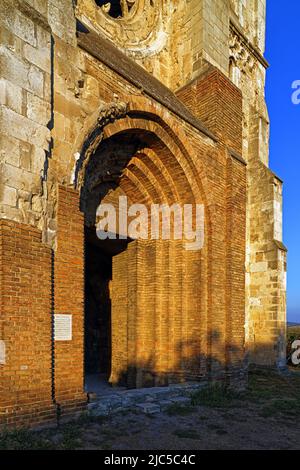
[[98, 289], [98, 275]]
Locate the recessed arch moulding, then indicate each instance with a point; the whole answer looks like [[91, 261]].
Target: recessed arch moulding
[[138, 155]]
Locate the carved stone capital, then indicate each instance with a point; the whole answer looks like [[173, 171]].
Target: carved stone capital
[[112, 111], [108, 113], [240, 53]]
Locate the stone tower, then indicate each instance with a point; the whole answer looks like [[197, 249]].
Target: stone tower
[[161, 101]]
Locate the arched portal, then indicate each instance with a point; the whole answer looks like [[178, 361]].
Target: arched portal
[[145, 299]]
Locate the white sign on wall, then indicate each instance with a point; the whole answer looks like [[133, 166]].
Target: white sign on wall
[[2, 352], [62, 327]]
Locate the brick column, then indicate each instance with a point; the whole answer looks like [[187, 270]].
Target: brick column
[[119, 318], [69, 300]]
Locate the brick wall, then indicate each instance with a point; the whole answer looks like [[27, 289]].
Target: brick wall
[[68, 300], [25, 327], [218, 103], [122, 296]]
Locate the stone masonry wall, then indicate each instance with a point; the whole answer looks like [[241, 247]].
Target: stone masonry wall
[[25, 111]]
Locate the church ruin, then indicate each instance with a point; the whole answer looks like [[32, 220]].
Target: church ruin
[[161, 101]]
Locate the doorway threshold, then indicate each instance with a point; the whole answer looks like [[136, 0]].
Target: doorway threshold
[[98, 385]]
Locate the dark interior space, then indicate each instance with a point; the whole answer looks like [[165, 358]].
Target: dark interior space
[[98, 285], [98, 274]]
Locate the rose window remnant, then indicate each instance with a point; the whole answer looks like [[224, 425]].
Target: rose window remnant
[[116, 8], [134, 26]]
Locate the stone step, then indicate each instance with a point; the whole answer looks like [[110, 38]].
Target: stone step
[[147, 401], [148, 408], [183, 401]]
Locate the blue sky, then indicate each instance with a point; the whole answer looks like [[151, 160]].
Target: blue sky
[[283, 53]]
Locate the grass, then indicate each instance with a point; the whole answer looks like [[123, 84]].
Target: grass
[[71, 437], [23, 439], [274, 394], [179, 410], [262, 385], [293, 332], [112, 433], [214, 396], [289, 407], [67, 437], [217, 429], [186, 434]]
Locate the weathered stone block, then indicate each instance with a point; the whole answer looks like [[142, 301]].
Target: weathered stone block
[[20, 73], [38, 110], [8, 195], [24, 28], [9, 150], [23, 128], [39, 57], [148, 408], [11, 96]]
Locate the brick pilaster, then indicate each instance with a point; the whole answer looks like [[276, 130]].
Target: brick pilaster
[[69, 300]]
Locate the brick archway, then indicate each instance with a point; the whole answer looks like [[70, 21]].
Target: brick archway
[[142, 113], [159, 328], [174, 316]]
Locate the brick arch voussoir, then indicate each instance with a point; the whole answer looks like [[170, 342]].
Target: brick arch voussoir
[[154, 116], [140, 169], [179, 169], [145, 181], [154, 163], [141, 194], [141, 105]]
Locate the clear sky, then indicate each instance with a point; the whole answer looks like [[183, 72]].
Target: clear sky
[[283, 54]]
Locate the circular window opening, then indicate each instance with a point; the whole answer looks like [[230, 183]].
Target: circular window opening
[[116, 8]]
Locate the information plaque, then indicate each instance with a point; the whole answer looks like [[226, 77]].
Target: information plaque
[[2, 351], [62, 327]]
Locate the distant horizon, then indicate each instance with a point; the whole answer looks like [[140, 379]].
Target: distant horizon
[[293, 315], [282, 51]]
